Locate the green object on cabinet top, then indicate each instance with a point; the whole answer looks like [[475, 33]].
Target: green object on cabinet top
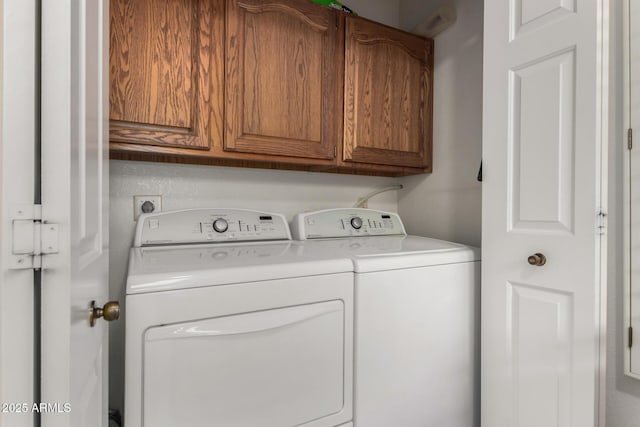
[[334, 4]]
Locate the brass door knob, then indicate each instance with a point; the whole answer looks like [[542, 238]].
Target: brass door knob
[[110, 312], [537, 259]]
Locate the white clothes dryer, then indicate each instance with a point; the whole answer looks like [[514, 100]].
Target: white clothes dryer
[[229, 323], [417, 318]]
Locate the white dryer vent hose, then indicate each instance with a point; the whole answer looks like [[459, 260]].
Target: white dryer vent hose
[[437, 21]]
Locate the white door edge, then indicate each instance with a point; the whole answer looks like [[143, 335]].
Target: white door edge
[[604, 37], [17, 187]]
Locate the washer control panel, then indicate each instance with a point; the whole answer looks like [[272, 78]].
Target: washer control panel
[[345, 222], [209, 226]]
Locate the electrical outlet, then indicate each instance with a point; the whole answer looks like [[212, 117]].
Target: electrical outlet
[[146, 204]]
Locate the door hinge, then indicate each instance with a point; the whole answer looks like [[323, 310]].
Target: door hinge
[[602, 222], [31, 237], [629, 139], [630, 336]]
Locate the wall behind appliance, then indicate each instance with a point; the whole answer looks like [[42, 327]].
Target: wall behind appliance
[[447, 203], [384, 11]]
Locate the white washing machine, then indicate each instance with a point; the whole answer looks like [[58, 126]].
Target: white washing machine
[[230, 324], [416, 318]]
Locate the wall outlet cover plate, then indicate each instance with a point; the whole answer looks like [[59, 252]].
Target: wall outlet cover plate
[[138, 201]]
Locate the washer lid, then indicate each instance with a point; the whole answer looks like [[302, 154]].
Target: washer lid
[[163, 268], [395, 252]]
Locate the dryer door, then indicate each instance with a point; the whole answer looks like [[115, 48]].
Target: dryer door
[[277, 367]]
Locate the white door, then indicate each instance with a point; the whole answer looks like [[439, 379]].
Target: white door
[[543, 121], [75, 46], [17, 190]]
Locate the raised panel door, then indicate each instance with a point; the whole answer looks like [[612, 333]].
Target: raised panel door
[[388, 96], [283, 62], [75, 195], [163, 69], [543, 121]]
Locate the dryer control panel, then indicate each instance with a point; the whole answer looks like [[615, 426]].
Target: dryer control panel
[[209, 225], [345, 222]]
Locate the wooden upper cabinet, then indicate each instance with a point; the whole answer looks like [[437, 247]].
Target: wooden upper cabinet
[[267, 83], [388, 96], [283, 79], [163, 69]]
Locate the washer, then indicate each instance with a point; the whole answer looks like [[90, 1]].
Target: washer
[[416, 318], [229, 323]]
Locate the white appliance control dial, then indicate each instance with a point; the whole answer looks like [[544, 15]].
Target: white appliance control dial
[[356, 222], [192, 226], [345, 222], [220, 225]]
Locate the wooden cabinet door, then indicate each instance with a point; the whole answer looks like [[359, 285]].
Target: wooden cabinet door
[[388, 96], [283, 78], [163, 60]]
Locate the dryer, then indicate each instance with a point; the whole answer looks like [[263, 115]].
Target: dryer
[[229, 323], [416, 318]]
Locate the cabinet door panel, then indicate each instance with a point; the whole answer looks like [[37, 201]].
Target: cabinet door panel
[[282, 78], [160, 65], [388, 96]]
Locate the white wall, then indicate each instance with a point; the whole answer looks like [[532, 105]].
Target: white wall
[[623, 393], [384, 11], [447, 203], [185, 186]]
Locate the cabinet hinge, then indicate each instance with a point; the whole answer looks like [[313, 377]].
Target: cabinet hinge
[[630, 336], [602, 222], [31, 237], [335, 151], [629, 139]]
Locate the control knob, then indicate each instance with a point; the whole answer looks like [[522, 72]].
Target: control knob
[[220, 225], [356, 222]]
